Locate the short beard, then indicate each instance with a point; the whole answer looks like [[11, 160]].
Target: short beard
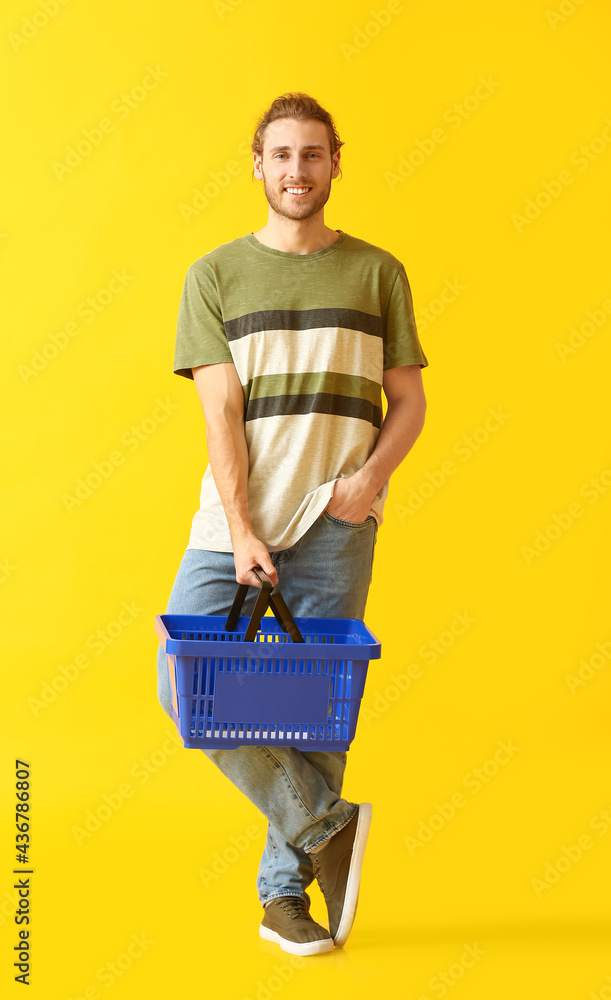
[[278, 205]]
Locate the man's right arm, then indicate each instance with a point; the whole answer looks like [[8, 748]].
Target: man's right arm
[[222, 398]]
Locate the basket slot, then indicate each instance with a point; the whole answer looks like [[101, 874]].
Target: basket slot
[[201, 714], [271, 637], [268, 636], [209, 636], [203, 675], [197, 674], [336, 732], [337, 682]]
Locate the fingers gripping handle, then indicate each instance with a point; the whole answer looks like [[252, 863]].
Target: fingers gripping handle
[[268, 595]]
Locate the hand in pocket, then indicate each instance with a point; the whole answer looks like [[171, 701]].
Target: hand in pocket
[[349, 502]]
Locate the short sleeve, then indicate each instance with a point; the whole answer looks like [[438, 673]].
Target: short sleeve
[[200, 332], [401, 343]]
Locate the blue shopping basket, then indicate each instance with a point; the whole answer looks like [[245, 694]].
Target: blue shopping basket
[[266, 681]]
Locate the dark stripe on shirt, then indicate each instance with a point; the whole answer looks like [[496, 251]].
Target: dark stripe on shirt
[[302, 319], [320, 402]]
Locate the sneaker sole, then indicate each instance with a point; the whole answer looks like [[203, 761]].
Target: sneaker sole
[[354, 875], [295, 947]]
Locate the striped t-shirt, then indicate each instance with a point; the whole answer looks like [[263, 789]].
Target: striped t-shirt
[[310, 336]]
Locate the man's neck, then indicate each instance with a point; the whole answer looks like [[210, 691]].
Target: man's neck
[[296, 241]]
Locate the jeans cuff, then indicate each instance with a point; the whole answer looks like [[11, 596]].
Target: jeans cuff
[[334, 828]]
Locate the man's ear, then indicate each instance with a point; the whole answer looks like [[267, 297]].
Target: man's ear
[[336, 163]]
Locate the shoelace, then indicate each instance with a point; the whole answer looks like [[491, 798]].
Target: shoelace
[[317, 873], [295, 907]]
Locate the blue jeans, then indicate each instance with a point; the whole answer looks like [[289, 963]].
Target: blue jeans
[[325, 574]]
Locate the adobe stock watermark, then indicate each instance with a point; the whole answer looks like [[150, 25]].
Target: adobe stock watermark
[[98, 642], [122, 107], [88, 310], [444, 812], [281, 975], [426, 315], [363, 37], [7, 569], [429, 652], [579, 335], [562, 13], [46, 11], [108, 974], [224, 7], [588, 669], [569, 856], [114, 800], [132, 439], [592, 490], [603, 992], [217, 181], [222, 861], [465, 448], [442, 981], [549, 191], [455, 116]]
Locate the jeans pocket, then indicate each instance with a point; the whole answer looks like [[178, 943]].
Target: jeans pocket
[[349, 524]]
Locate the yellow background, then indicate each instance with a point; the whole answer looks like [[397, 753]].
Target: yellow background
[[66, 572]]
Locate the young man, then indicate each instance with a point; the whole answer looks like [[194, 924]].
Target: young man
[[290, 334]]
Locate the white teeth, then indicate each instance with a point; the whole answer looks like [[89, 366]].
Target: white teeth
[[297, 190]]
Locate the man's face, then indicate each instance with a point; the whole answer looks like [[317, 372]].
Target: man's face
[[297, 155]]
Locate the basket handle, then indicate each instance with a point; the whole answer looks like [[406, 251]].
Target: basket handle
[[268, 595]]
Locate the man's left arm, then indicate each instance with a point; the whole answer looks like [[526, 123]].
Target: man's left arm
[[401, 427]]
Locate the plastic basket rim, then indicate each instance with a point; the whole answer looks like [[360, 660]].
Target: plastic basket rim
[[351, 646]]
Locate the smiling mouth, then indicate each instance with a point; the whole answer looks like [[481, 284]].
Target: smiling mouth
[[297, 192]]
